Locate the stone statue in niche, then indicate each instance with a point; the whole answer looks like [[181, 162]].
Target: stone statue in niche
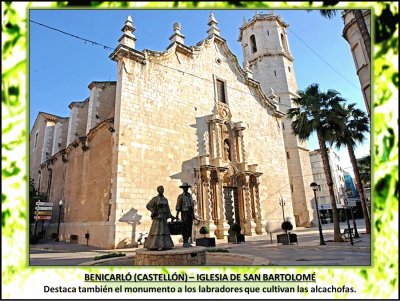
[[159, 237]]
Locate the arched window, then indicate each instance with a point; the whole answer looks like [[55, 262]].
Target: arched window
[[253, 43], [284, 44]]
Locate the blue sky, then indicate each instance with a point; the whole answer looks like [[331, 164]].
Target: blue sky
[[62, 67]]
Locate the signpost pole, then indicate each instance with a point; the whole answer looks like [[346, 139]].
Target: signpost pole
[[354, 224]]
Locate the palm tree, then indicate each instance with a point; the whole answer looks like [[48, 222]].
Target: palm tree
[[362, 26], [364, 167], [314, 112], [351, 126]]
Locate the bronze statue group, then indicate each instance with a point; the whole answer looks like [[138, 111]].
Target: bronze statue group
[[159, 237]]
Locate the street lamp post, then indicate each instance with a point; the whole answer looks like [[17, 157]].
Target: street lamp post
[[348, 222], [356, 235], [60, 204], [314, 187], [282, 204]]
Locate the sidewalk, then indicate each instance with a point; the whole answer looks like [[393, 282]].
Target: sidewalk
[[257, 250]]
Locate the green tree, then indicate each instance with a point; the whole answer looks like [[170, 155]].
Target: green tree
[[352, 124], [314, 112], [364, 168]]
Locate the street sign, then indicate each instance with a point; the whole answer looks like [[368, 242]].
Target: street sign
[[47, 204], [43, 208], [325, 206], [39, 218], [41, 212], [349, 202]]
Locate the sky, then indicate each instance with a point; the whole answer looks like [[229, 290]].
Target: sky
[[61, 67]]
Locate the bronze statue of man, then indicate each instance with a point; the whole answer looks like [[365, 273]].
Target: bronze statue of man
[[185, 205], [159, 237]]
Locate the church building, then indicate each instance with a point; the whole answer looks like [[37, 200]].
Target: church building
[[188, 114]]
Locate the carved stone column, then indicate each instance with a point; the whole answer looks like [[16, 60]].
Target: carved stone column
[[223, 226], [259, 221], [247, 207], [211, 139], [208, 204], [239, 128], [218, 138]]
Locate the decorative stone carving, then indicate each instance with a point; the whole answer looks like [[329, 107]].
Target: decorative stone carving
[[206, 141], [272, 96], [223, 111]]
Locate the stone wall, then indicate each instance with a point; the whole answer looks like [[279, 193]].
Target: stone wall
[[60, 136], [48, 141], [77, 120], [35, 152], [162, 107], [101, 103], [87, 189]]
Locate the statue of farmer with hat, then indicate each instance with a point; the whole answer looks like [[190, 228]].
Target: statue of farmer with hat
[[185, 205]]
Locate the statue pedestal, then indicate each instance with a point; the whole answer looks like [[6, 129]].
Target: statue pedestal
[[177, 256]]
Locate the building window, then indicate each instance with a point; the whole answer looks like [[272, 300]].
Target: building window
[[358, 56], [275, 72], [279, 99], [287, 155], [36, 139], [221, 91], [267, 32], [283, 126], [291, 187], [288, 68], [253, 43], [284, 44]]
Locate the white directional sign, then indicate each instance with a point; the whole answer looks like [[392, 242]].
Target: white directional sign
[[44, 208], [42, 217], [47, 204]]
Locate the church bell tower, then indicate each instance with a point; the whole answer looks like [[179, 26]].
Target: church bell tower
[[267, 54]]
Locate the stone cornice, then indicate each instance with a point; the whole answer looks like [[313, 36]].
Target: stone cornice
[[190, 51], [256, 85], [125, 51], [259, 57], [351, 23], [101, 126], [101, 84], [258, 17], [82, 140]]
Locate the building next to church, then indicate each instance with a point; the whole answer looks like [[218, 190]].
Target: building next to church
[[354, 36], [339, 187], [187, 114]]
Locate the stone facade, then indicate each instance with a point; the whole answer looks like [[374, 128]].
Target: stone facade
[[188, 114], [352, 35], [267, 54]]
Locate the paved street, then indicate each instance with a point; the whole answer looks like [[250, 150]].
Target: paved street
[[257, 250]]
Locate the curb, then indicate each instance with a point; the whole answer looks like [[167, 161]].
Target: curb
[[238, 257], [96, 262], [257, 261]]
